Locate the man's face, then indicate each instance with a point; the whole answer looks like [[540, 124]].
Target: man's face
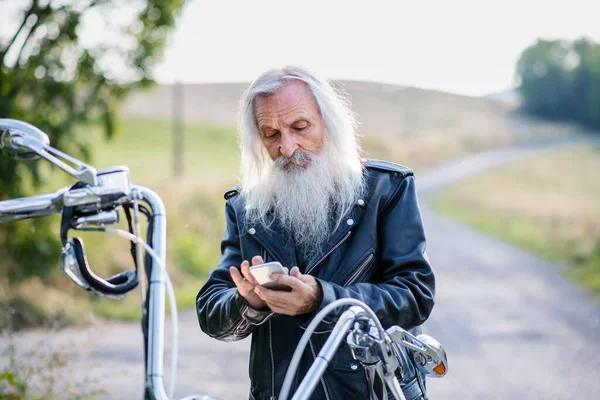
[[290, 122]]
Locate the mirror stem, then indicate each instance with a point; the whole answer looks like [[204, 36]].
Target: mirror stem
[[85, 173]]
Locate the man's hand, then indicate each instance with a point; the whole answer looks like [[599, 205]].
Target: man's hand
[[245, 283], [305, 297]]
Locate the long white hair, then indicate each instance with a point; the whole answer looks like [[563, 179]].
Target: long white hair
[[341, 138]]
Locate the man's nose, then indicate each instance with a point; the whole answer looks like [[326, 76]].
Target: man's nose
[[288, 145]]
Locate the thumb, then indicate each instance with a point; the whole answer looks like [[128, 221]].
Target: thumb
[[302, 277]]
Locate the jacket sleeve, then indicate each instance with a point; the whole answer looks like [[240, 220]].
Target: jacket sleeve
[[405, 295], [222, 312]]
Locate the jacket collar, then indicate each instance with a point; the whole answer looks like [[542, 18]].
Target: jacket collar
[[278, 241]]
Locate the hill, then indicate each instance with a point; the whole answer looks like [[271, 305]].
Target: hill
[[409, 125]]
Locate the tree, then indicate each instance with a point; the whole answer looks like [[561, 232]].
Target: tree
[[560, 80], [65, 63], [542, 70]]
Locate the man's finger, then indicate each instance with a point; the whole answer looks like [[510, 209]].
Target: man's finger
[[274, 296], [247, 274], [243, 286], [291, 281], [257, 260], [236, 276], [295, 272]]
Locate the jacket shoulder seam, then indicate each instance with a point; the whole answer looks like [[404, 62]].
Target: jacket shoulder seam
[[388, 166]]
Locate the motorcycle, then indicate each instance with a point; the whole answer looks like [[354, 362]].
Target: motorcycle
[[93, 204]]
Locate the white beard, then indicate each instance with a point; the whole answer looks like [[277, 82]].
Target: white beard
[[307, 197]]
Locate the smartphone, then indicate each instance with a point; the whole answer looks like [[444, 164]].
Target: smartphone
[[262, 273]]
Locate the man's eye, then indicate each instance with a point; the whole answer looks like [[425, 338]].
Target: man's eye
[[301, 128], [271, 134]]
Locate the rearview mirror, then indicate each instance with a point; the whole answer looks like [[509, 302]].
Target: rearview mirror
[[18, 139], [437, 366]]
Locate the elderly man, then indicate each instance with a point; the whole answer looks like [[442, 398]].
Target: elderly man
[[344, 226]]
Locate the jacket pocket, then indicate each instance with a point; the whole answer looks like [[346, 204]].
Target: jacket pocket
[[361, 270]]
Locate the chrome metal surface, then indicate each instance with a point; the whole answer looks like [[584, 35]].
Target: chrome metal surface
[[18, 138], [91, 195], [116, 178], [70, 266], [317, 319], [103, 218], [31, 207], [311, 379], [24, 141], [156, 308], [430, 349], [429, 362], [78, 197], [362, 344], [85, 173]]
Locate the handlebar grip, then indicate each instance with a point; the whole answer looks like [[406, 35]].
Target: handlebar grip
[[31, 207]]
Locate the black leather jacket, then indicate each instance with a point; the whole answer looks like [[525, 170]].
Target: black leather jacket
[[377, 256]]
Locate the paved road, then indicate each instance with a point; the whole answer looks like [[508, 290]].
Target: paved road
[[513, 328]]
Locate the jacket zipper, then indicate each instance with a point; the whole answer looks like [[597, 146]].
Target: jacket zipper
[[359, 271], [238, 327], [272, 364], [273, 397], [312, 350], [338, 244]]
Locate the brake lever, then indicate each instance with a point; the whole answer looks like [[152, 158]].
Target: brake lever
[[429, 355]]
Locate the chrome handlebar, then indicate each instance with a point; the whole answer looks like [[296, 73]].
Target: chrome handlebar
[[95, 197], [112, 190], [31, 207], [49, 204], [375, 348]]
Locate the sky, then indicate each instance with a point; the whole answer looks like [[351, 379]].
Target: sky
[[467, 47], [460, 46]]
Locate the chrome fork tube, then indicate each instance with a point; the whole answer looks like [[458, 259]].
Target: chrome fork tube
[[156, 299]]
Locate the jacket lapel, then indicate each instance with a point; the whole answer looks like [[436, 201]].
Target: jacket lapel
[[343, 231], [277, 241], [341, 234]]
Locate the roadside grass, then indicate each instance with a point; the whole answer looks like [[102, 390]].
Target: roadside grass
[[548, 205]]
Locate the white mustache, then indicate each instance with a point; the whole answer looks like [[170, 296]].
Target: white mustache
[[298, 159]]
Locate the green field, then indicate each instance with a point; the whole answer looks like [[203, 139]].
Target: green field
[[194, 201], [194, 205], [548, 205]]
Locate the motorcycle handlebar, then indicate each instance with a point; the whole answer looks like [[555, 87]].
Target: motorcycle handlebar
[[31, 207]]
